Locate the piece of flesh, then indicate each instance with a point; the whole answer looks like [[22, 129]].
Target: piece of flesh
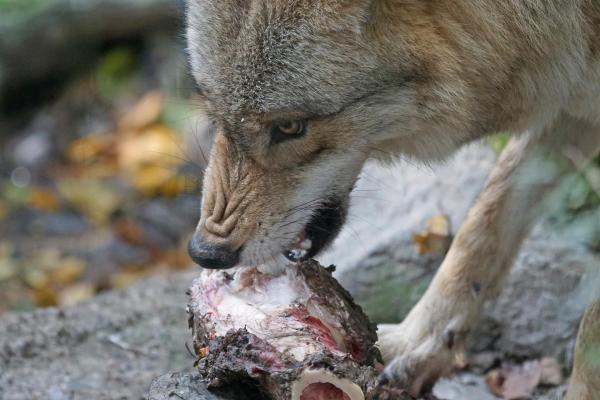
[[297, 335]]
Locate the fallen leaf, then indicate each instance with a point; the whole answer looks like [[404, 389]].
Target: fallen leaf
[[43, 199], [155, 144], [45, 297], [76, 294], [124, 279], [149, 180], [515, 382], [101, 168], [69, 271], [35, 278], [88, 148], [129, 231], [551, 372], [175, 185], [144, 113], [151, 160], [44, 258], [8, 269], [93, 198], [437, 236]]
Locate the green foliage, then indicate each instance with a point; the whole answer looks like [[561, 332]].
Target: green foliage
[[22, 7], [176, 113], [389, 299], [19, 12], [582, 195], [116, 72], [499, 141]]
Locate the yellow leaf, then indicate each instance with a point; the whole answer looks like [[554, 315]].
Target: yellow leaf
[[45, 258], [35, 278], [8, 269], [175, 185], [439, 225], [157, 146], [69, 271], [150, 179], [89, 147], [76, 294], [43, 199], [146, 112], [437, 236], [45, 297], [95, 200], [99, 169], [124, 279]]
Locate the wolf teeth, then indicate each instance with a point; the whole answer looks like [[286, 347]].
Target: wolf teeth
[[306, 244], [297, 254]]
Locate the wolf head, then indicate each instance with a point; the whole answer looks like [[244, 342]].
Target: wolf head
[[300, 93]]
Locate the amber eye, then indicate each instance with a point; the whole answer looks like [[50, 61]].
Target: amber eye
[[287, 130]]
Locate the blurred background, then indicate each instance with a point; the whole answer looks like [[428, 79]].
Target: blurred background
[[99, 182]]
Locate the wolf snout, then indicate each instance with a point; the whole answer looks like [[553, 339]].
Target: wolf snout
[[212, 256]]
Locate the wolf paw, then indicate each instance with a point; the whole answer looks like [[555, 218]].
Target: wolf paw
[[415, 361]]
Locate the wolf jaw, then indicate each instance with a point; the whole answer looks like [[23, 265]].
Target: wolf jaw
[[320, 231]]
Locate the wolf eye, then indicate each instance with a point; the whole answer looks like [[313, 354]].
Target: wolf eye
[[282, 131]]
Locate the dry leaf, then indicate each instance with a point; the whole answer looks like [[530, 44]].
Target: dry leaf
[[175, 185], [8, 269], [149, 180], [157, 144], [76, 294], [43, 199], [121, 280], [90, 147], [129, 231], [551, 372], [515, 382], [151, 160], [45, 258], [146, 112], [436, 238], [95, 200], [69, 271], [45, 297], [35, 278]]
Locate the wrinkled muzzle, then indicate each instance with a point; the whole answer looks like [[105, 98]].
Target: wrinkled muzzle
[[241, 200], [255, 213], [229, 208]]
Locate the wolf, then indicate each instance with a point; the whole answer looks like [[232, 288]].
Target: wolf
[[300, 93]]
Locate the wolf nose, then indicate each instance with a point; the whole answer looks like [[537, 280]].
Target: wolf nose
[[211, 256]]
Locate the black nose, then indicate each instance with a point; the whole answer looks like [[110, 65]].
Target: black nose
[[211, 256]]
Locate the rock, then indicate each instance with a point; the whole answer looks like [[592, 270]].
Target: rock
[[108, 348], [464, 386], [188, 386]]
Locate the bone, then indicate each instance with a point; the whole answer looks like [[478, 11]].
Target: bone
[[296, 335]]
